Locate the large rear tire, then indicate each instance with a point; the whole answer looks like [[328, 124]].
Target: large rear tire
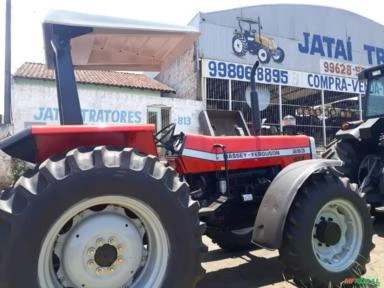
[[345, 151], [239, 45], [100, 218], [328, 233]]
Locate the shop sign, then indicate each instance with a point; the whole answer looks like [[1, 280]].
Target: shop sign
[[267, 75]]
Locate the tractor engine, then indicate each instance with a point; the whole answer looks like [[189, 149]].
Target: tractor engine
[[242, 191]]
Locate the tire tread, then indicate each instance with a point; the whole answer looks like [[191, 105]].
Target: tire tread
[[53, 170]]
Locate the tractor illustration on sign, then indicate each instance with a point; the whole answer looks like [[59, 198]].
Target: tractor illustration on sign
[[251, 40]]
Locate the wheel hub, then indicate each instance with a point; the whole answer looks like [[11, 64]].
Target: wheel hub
[[106, 255], [238, 45], [81, 245], [98, 246], [337, 235], [328, 232]]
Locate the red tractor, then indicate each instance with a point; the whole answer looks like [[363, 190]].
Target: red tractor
[[100, 210]]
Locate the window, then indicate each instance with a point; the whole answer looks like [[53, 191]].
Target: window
[[375, 97], [159, 115]]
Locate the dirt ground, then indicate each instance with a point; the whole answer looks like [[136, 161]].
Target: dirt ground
[[261, 268]]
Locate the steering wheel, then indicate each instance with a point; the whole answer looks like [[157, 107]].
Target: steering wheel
[[168, 140], [165, 134]]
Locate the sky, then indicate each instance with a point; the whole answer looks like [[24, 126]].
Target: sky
[[27, 16]]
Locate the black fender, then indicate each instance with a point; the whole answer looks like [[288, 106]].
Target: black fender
[[353, 133], [369, 130], [270, 220]]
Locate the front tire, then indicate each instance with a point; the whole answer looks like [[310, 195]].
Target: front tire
[[278, 55], [100, 218], [328, 233], [264, 55]]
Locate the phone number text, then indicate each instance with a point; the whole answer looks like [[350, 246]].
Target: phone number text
[[340, 68], [241, 72]]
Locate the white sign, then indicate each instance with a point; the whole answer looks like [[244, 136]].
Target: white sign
[[268, 75], [337, 68]]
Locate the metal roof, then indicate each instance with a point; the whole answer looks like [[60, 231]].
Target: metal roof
[[118, 43]]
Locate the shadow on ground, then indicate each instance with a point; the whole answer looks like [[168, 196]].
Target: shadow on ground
[[246, 270], [251, 273], [379, 226]]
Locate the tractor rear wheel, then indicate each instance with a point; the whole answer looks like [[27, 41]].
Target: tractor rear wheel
[[345, 151], [328, 233], [239, 45], [232, 240], [100, 218]]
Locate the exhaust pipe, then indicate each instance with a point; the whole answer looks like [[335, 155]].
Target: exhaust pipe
[[256, 122]]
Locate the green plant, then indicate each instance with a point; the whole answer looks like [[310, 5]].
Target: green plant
[[18, 168]]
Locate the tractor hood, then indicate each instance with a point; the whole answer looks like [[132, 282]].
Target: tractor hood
[[103, 42]]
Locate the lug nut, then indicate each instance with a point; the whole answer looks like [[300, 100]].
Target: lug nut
[[91, 251], [91, 264], [111, 269], [112, 241], [99, 271], [120, 248], [120, 260], [100, 242]]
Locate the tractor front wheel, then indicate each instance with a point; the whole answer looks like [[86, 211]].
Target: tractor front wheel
[[278, 55], [328, 233], [264, 55], [100, 218]]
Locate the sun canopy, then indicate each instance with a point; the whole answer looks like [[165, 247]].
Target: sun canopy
[[117, 43]]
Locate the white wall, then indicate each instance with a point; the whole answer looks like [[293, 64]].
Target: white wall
[[5, 160], [34, 102]]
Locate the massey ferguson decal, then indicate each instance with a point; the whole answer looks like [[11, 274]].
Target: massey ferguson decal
[[250, 39], [246, 154]]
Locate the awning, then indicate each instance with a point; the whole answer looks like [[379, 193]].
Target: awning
[[117, 43]]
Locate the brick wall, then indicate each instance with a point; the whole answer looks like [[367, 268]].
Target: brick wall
[[182, 75]]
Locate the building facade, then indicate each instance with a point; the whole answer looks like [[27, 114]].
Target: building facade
[[105, 98], [309, 60]]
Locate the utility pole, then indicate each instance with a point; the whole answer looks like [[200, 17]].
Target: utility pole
[[7, 65]]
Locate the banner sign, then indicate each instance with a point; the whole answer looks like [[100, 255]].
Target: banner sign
[[267, 75]]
